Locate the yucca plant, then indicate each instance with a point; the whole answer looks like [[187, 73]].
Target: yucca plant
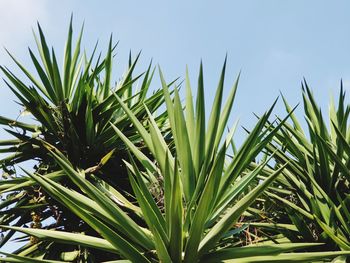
[[72, 110], [202, 194], [314, 188]]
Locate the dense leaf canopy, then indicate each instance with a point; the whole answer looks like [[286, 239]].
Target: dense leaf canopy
[[123, 174]]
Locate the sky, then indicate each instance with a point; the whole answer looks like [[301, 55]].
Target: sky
[[274, 43]]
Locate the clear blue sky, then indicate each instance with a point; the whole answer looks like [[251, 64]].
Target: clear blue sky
[[274, 43]]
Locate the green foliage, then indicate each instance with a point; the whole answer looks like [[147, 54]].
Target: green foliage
[[315, 181], [119, 183], [72, 111]]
